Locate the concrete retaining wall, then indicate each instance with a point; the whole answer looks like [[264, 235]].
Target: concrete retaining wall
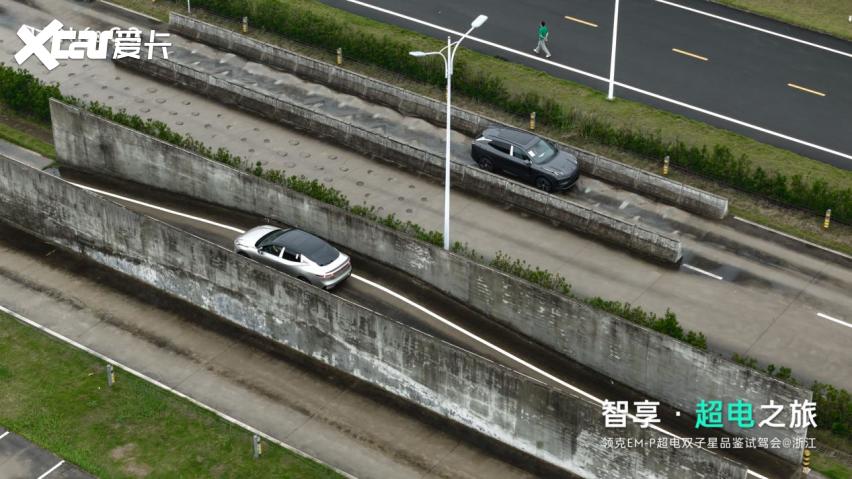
[[471, 179], [673, 192], [495, 401], [644, 360]]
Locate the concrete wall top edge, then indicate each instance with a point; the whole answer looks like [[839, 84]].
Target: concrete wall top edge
[[712, 205]]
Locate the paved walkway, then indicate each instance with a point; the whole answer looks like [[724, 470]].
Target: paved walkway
[[21, 459]]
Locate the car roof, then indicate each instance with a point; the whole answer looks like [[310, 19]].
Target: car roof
[[518, 137], [306, 244]]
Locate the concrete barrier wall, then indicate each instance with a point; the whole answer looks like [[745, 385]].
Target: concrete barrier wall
[[495, 401], [636, 179], [471, 179], [644, 360]]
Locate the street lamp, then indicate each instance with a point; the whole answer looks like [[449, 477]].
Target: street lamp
[[448, 73]]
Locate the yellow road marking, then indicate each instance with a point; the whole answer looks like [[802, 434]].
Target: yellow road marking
[[684, 52], [581, 21], [793, 85]]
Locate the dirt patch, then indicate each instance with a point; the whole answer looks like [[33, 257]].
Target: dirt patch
[[126, 455]]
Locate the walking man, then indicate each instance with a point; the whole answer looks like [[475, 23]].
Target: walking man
[[543, 34]]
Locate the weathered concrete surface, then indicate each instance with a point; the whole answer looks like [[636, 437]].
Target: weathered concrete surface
[[591, 221], [189, 350], [557, 428], [635, 356], [409, 103]]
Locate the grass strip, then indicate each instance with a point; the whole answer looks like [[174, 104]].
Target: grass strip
[[56, 396], [25, 140], [826, 16]]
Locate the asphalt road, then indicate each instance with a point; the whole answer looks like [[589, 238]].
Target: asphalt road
[[21, 459], [728, 69]]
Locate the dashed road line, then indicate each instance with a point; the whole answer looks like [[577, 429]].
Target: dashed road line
[[679, 103], [584, 22], [752, 27], [689, 54], [4, 434], [834, 320], [52, 469], [699, 270], [799, 87]]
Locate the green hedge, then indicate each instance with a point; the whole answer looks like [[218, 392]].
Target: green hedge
[[291, 20], [25, 94], [666, 324], [833, 406]]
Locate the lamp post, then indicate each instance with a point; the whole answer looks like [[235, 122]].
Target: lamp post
[[450, 50], [609, 95]]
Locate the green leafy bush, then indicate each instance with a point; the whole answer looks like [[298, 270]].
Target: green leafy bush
[[667, 324], [521, 269], [833, 405], [25, 94]]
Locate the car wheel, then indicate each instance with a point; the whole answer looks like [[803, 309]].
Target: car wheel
[[485, 163], [543, 184]]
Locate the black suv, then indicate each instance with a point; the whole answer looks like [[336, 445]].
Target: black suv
[[526, 157]]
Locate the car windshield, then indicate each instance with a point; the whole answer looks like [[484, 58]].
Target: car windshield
[[541, 152]]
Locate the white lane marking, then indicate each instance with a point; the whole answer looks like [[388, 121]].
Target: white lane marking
[[835, 320], [4, 434], [584, 22], [763, 30], [366, 281], [699, 270], [160, 385], [478, 40], [690, 54], [158, 208], [606, 80], [738, 122], [52, 469], [808, 90]]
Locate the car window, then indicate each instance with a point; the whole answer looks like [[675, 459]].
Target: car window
[[519, 154], [500, 146], [272, 249], [290, 256], [541, 151]]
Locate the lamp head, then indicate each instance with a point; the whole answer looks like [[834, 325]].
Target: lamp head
[[478, 21], [417, 54]]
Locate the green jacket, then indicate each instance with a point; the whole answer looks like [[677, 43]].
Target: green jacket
[[542, 33]]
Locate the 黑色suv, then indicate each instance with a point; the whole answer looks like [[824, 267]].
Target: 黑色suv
[[526, 157]]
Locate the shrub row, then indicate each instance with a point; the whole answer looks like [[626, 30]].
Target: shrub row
[[26, 94], [666, 324], [294, 21], [834, 406]]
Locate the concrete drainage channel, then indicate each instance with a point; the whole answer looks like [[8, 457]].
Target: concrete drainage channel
[[634, 237], [634, 356], [678, 194]]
